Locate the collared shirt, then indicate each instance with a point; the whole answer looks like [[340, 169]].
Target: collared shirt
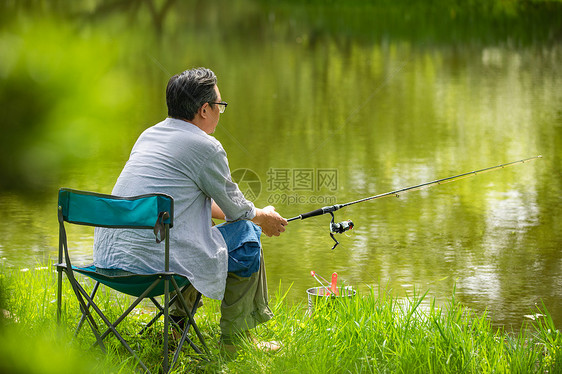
[[179, 159]]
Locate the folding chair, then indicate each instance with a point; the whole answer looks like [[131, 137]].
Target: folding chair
[[152, 211]]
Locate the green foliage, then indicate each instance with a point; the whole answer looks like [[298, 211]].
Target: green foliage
[[30, 339], [371, 333], [61, 90], [435, 22], [70, 73]]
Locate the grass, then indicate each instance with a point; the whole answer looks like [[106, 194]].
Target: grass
[[371, 333]]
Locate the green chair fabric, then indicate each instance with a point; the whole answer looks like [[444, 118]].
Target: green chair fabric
[[129, 283], [93, 209], [152, 211]]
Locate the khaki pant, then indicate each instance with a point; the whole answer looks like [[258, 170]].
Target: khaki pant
[[244, 306]]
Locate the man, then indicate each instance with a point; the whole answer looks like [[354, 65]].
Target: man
[[179, 157]]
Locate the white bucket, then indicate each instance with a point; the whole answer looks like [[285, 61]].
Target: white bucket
[[323, 293]]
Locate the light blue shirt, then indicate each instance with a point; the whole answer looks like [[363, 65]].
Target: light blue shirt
[[179, 159]]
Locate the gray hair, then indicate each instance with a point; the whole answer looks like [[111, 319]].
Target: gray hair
[[188, 91]]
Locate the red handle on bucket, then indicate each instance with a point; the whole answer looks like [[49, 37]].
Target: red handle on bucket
[[334, 285], [325, 288]]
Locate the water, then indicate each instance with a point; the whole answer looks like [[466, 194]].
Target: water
[[315, 119]]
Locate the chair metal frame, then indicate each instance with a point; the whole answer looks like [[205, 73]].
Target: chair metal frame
[[160, 211]]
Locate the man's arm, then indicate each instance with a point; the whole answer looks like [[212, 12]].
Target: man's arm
[[271, 223], [215, 181], [228, 201], [216, 211]]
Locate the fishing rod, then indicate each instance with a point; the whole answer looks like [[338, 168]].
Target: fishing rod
[[341, 227]]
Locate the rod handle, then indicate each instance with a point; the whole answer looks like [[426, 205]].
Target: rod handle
[[316, 212]]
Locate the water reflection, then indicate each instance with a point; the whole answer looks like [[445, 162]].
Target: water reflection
[[384, 114], [509, 210]]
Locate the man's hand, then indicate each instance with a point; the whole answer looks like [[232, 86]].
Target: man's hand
[[271, 223]]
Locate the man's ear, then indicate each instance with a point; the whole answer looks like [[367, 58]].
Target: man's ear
[[204, 110]]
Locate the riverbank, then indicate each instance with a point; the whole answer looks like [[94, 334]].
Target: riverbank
[[482, 22], [373, 333]]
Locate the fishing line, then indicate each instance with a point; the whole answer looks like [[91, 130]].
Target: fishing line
[[341, 227], [157, 63]]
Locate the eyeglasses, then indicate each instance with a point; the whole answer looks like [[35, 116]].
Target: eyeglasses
[[222, 106]]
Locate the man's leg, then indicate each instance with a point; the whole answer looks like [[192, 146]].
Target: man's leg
[[245, 303], [177, 313]]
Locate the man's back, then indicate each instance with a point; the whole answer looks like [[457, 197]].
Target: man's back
[[179, 159]]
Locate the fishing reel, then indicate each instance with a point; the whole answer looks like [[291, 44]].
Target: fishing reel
[[339, 228]]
